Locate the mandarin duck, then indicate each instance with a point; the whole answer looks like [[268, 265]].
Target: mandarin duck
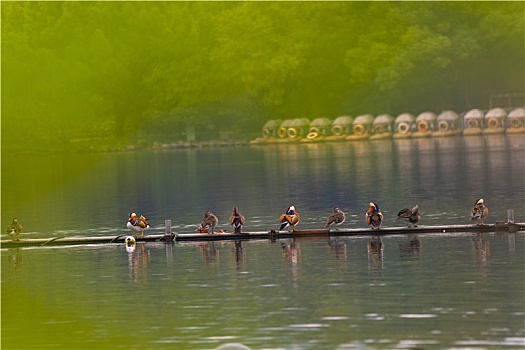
[[336, 218], [236, 220], [479, 212], [289, 219], [410, 216], [137, 224], [14, 229], [209, 221], [373, 216]]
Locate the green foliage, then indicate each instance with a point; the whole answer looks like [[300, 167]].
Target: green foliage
[[120, 70]]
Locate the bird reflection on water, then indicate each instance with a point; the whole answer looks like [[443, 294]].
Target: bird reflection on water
[[291, 255], [208, 251], [239, 255], [410, 248], [375, 249], [338, 249], [138, 262], [481, 248]]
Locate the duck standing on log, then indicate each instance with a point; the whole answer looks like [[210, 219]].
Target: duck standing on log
[[14, 230], [209, 222], [289, 219], [373, 216], [410, 216], [336, 219], [236, 220], [136, 224], [479, 212]]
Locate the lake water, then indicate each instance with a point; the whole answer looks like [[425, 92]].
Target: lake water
[[461, 291]]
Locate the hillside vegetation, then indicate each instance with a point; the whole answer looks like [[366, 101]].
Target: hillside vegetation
[[121, 72]]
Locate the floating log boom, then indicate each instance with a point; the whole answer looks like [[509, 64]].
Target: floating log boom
[[169, 237]]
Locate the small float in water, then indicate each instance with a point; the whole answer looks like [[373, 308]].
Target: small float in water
[[495, 121], [448, 124], [319, 129], [404, 126], [270, 129], [425, 124], [473, 120], [516, 120], [362, 128], [269, 132], [341, 128], [382, 127], [297, 129]]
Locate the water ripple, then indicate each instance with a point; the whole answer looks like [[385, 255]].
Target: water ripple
[[510, 341], [417, 315]]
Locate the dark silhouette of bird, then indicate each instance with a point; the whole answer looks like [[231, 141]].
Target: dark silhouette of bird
[[289, 219], [236, 220], [410, 216], [479, 212], [14, 229], [373, 216], [336, 219]]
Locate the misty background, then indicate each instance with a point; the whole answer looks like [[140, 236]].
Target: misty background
[[112, 73]]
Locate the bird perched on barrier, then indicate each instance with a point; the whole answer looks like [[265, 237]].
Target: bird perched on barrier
[[373, 216], [336, 218], [289, 219], [410, 216], [14, 229], [209, 222], [137, 224], [236, 220], [479, 212]]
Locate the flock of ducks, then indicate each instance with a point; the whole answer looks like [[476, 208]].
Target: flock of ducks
[[290, 218]]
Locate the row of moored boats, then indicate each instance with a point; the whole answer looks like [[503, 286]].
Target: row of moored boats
[[384, 126]]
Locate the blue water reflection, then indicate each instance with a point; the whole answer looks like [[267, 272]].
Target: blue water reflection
[[431, 291], [442, 175]]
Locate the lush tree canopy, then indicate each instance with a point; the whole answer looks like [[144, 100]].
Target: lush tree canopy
[[74, 70]]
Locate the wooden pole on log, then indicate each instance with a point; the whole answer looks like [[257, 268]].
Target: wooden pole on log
[[168, 235]]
